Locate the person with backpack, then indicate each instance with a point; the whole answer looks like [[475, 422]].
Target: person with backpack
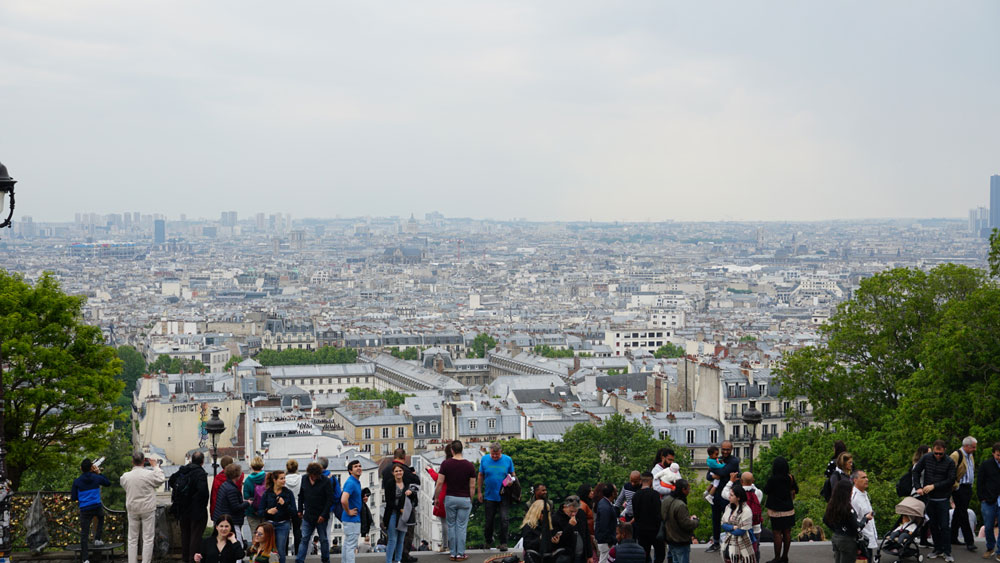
[[754, 501], [253, 491], [842, 472], [678, 523], [189, 495], [781, 489], [229, 499], [315, 498], [839, 447], [86, 492]]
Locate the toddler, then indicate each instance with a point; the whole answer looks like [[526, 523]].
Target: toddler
[[714, 465]]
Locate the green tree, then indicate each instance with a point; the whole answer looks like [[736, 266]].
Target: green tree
[[994, 253], [133, 366], [873, 343], [408, 353], [233, 360], [669, 350], [620, 445], [392, 398], [176, 365], [59, 377], [480, 344], [550, 352], [299, 357]]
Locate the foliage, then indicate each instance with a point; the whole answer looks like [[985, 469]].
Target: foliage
[[133, 366], [233, 360], [58, 375], [480, 344], [808, 450], [298, 357], [748, 338], [620, 445], [669, 350], [994, 253], [874, 345], [550, 352], [176, 365], [392, 398], [408, 353]]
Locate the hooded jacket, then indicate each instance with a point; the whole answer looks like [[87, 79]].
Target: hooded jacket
[[251, 481], [677, 522]]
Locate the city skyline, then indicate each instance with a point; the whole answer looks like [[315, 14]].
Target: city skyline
[[567, 112]]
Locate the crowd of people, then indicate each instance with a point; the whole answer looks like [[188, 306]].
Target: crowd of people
[[644, 521]]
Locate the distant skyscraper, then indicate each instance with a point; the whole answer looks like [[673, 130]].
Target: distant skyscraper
[[228, 219], [159, 231], [995, 201]]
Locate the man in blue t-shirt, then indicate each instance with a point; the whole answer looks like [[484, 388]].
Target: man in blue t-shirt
[[492, 472], [350, 500]]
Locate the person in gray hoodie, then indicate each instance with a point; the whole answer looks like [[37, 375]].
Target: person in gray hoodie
[[293, 482]]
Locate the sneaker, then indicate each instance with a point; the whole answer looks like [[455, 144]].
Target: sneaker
[[712, 548], [708, 498], [933, 555], [949, 559], [98, 543], [87, 561], [988, 553]]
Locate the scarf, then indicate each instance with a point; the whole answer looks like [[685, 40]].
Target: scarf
[[738, 549]]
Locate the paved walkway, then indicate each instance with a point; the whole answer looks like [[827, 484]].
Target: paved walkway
[[813, 552]]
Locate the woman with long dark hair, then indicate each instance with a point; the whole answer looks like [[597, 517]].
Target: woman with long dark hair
[[843, 522], [222, 546], [278, 507], [737, 522], [586, 495], [781, 489], [394, 512]]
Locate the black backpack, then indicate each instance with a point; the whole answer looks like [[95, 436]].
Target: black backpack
[[180, 496], [905, 485]]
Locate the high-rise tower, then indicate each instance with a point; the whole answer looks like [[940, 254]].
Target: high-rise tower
[[995, 201]]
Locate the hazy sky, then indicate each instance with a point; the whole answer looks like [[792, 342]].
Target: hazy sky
[[543, 109]]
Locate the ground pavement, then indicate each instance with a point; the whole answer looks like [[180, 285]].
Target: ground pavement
[[812, 552]]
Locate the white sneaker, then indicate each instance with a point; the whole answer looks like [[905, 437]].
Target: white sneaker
[[708, 497], [933, 555], [949, 559], [98, 543], [87, 561]]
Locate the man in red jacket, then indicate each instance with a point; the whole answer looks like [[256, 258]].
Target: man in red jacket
[[221, 478]]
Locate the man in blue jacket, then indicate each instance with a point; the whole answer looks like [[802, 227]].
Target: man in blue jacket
[[87, 493]]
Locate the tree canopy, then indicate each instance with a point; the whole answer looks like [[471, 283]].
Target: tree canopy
[[299, 357], [176, 365], [408, 353], [669, 350], [480, 344], [233, 360], [392, 398], [620, 445], [60, 379], [550, 352]]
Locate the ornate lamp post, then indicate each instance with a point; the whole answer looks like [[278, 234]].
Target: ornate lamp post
[[752, 417], [214, 426], [6, 192], [6, 540]]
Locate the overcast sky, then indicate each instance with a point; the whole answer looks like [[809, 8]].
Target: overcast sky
[[548, 110]]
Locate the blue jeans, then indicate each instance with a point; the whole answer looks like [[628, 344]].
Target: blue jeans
[[989, 511], [940, 525], [352, 532], [394, 544], [281, 530], [679, 553], [457, 511], [307, 533]]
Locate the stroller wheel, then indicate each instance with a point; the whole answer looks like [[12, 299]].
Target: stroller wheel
[[920, 557]]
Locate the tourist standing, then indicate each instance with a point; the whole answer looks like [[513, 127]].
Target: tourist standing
[[624, 500], [570, 527], [399, 506], [646, 519], [293, 482], [606, 523], [229, 500], [844, 522], [140, 486], [223, 546], [988, 487], [350, 500], [263, 549], [278, 507], [252, 484], [732, 465], [781, 489], [86, 491], [459, 476], [934, 476], [965, 476], [315, 498], [410, 478], [194, 513], [862, 506], [493, 471], [678, 523]]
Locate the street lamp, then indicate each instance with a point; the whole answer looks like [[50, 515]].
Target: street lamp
[[6, 192], [6, 539], [214, 427], [752, 417]]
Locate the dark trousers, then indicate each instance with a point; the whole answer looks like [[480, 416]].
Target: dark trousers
[[962, 496], [296, 531], [192, 529], [86, 516], [717, 510], [654, 547], [492, 507], [408, 542], [937, 510]]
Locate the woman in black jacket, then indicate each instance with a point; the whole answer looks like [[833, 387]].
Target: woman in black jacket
[[536, 529], [571, 533], [278, 504], [844, 523], [781, 489], [222, 546], [229, 499]]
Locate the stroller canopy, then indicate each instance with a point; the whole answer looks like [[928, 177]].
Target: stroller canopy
[[910, 506]]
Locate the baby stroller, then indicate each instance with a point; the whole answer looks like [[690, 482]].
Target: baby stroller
[[901, 541]]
